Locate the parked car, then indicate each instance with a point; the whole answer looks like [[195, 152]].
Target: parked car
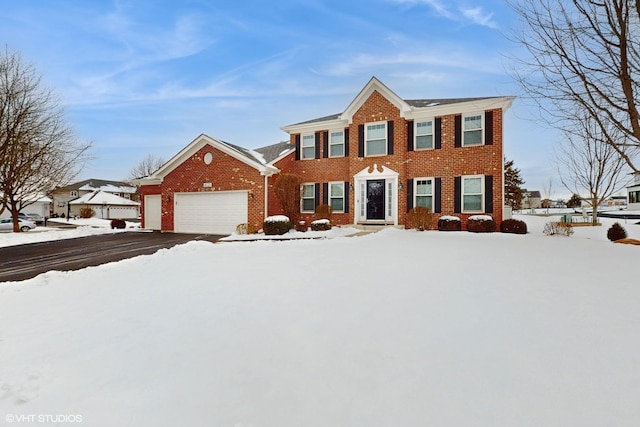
[[25, 225], [28, 217], [37, 218]]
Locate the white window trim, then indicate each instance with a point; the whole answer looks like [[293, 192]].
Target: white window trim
[[302, 199], [340, 183], [415, 189], [366, 138], [482, 193], [415, 133], [73, 193], [302, 146], [343, 143], [481, 130]]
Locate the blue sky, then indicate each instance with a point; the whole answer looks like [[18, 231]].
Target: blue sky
[[143, 77]]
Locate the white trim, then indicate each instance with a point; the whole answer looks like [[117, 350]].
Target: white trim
[[415, 189], [340, 183], [391, 200], [302, 198], [374, 85], [481, 130], [302, 146], [482, 193], [415, 133], [366, 138], [329, 144]]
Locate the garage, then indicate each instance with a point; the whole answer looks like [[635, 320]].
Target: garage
[[216, 212], [153, 212]]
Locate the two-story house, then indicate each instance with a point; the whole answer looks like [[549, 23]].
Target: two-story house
[[372, 163]]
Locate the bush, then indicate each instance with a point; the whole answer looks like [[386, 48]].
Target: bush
[[321, 225], [86, 212], [616, 232], [420, 218], [301, 226], [118, 223], [324, 212], [449, 223], [514, 226], [481, 224], [276, 225], [559, 228]]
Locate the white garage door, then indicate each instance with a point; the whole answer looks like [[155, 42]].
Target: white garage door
[[152, 210], [211, 212]]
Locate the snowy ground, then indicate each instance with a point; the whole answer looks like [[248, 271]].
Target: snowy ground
[[396, 328]]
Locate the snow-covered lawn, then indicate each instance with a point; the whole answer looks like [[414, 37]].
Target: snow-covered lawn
[[396, 328]]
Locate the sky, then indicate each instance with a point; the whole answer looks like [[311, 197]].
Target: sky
[[141, 77]]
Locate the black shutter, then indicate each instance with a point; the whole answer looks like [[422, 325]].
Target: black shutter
[[346, 142], [488, 128], [317, 196], [325, 144], [297, 139], [317, 144], [488, 194], [409, 194], [437, 134], [458, 131], [437, 196], [390, 137], [360, 140], [325, 193], [410, 135], [457, 194], [346, 197]]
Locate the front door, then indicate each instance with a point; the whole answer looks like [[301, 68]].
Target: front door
[[375, 199]]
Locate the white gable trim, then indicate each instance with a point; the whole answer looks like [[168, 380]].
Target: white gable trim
[[372, 86]]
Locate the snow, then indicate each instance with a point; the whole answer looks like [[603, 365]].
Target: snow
[[481, 217], [277, 218], [321, 221], [449, 218], [102, 197], [394, 328]]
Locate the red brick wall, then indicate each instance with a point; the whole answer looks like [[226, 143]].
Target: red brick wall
[[147, 190]]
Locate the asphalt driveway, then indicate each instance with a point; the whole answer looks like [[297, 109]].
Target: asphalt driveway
[[23, 262]]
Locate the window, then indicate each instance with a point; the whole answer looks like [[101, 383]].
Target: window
[[336, 196], [376, 139], [472, 130], [634, 196], [424, 135], [423, 193], [336, 143], [472, 194], [73, 194], [308, 147], [308, 197]]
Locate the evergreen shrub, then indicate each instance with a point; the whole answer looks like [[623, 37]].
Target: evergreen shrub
[[118, 223], [321, 225], [276, 225], [481, 224], [449, 223], [616, 232], [514, 226]]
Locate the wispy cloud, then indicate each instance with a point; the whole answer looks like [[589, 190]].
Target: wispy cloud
[[479, 16], [465, 14]]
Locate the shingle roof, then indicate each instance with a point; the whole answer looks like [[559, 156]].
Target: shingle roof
[[94, 183], [272, 152]]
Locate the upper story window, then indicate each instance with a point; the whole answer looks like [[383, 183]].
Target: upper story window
[[472, 193], [308, 200], [423, 192], [336, 143], [423, 135], [376, 139], [308, 146], [73, 193], [472, 127]]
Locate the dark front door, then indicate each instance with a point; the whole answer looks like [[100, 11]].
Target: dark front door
[[375, 199]]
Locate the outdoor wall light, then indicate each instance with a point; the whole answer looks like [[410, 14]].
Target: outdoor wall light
[[400, 186]]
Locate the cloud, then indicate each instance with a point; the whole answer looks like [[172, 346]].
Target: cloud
[[478, 16], [475, 15]]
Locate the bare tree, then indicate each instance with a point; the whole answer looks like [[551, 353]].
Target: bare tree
[[583, 54], [146, 167], [287, 188], [588, 163], [38, 150]]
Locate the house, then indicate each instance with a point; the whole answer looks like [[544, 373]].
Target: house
[[633, 193], [39, 204], [125, 192], [531, 199], [372, 163], [106, 205]]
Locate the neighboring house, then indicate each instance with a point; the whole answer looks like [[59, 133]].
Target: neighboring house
[[372, 163], [633, 193], [106, 205], [41, 205], [531, 200], [63, 195]]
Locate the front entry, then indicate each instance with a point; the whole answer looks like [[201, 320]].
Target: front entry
[[375, 199]]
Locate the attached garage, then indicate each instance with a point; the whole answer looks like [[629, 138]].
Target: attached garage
[[212, 212], [153, 212]]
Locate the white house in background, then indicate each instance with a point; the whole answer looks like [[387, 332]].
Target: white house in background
[[41, 206], [63, 195], [633, 192], [106, 205]]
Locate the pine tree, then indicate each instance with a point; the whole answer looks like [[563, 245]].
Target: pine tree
[[575, 201], [512, 186]]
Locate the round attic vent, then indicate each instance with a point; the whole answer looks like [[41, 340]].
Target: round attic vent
[[208, 158]]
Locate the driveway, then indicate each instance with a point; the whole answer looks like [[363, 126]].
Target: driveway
[[23, 262]]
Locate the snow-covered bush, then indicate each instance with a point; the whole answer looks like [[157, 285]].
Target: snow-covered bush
[[118, 223], [420, 218], [558, 227], [616, 232], [301, 226], [87, 212], [321, 225], [514, 226], [276, 225], [481, 224], [449, 223]]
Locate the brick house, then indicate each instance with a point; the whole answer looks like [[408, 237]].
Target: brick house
[[372, 163]]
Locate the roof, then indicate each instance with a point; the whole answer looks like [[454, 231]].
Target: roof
[[103, 198], [274, 151], [533, 193], [99, 184]]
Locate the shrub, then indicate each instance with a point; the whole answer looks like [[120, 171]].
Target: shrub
[[301, 226], [616, 232], [449, 223], [559, 228], [287, 191], [324, 212], [321, 225], [420, 218], [481, 224], [276, 225], [513, 226], [242, 228], [86, 212], [118, 223]]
